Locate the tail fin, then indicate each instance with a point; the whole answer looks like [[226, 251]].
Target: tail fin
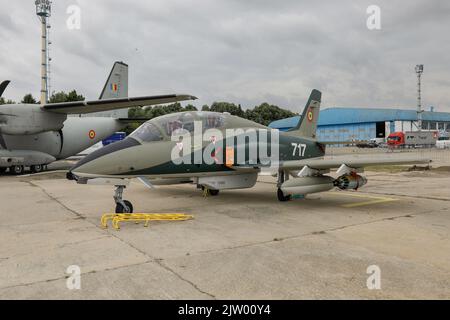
[[117, 84], [307, 125]]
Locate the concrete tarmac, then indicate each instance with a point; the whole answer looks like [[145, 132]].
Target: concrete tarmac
[[242, 244]]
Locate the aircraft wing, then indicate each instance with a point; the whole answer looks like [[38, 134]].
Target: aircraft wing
[[81, 107], [353, 162]]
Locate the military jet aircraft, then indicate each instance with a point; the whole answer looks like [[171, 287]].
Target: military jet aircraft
[[218, 151], [35, 135]]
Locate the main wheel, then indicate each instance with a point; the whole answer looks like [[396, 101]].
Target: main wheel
[[210, 192], [213, 192], [37, 168], [120, 208], [2, 170], [282, 197], [16, 170]]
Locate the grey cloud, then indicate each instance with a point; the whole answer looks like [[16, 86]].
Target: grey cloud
[[248, 51]]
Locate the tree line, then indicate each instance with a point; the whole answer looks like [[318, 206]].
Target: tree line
[[54, 98], [264, 113]]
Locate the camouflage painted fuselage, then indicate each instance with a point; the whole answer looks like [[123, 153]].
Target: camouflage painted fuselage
[[226, 145]]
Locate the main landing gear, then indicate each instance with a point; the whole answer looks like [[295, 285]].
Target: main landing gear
[[38, 168], [209, 192], [16, 170], [282, 176], [19, 169], [122, 206]]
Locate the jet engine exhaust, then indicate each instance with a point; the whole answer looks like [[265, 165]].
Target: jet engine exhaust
[[350, 181]]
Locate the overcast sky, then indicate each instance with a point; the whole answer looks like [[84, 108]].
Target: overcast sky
[[242, 51]]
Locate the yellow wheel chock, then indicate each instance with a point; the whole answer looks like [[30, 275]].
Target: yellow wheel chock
[[116, 218]]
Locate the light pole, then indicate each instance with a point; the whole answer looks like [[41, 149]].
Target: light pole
[[419, 71], [43, 11]]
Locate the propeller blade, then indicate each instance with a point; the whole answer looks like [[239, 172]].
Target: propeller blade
[[3, 86]]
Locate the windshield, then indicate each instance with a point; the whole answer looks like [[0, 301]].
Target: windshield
[[147, 132], [395, 138], [177, 123], [212, 120], [182, 123]]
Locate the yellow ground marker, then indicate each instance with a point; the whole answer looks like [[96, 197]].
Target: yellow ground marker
[[116, 218], [364, 203]]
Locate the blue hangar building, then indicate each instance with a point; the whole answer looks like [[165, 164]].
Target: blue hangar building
[[346, 124]]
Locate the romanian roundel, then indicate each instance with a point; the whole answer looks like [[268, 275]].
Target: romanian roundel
[[310, 115], [91, 134]]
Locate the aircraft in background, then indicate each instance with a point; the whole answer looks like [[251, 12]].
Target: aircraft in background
[[33, 135], [152, 154]]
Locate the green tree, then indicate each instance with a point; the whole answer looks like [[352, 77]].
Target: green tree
[[264, 113], [190, 107], [231, 108], [62, 96], [3, 101], [28, 98]]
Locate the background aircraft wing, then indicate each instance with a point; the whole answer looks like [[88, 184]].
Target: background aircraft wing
[[354, 162], [81, 107]]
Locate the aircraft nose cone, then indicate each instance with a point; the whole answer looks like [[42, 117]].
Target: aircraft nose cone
[[92, 163]]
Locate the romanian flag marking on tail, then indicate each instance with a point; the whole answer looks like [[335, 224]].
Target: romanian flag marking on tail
[[114, 87]]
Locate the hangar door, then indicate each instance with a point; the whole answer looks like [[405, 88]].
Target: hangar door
[[381, 130]]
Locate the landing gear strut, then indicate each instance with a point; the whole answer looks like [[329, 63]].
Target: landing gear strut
[[122, 206], [282, 176]]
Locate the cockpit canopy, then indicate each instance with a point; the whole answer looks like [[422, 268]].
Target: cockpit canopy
[[163, 127], [159, 128]]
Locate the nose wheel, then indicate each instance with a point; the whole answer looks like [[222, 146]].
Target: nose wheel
[[122, 206]]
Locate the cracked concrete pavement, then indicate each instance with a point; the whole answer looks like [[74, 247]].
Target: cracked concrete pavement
[[242, 244]]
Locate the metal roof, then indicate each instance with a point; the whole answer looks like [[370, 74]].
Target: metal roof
[[337, 116]]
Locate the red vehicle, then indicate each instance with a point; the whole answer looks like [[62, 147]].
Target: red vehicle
[[396, 139], [412, 139]]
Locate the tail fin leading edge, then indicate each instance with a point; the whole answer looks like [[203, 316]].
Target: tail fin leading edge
[[307, 125]]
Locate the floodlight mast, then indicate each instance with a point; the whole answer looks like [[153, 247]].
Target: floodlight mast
[[43, 11], [419, 71]]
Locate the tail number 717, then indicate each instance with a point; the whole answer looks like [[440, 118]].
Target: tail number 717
[[299, 148]]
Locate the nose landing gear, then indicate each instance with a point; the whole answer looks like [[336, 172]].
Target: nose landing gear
[[122, 206], [282, 176]]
